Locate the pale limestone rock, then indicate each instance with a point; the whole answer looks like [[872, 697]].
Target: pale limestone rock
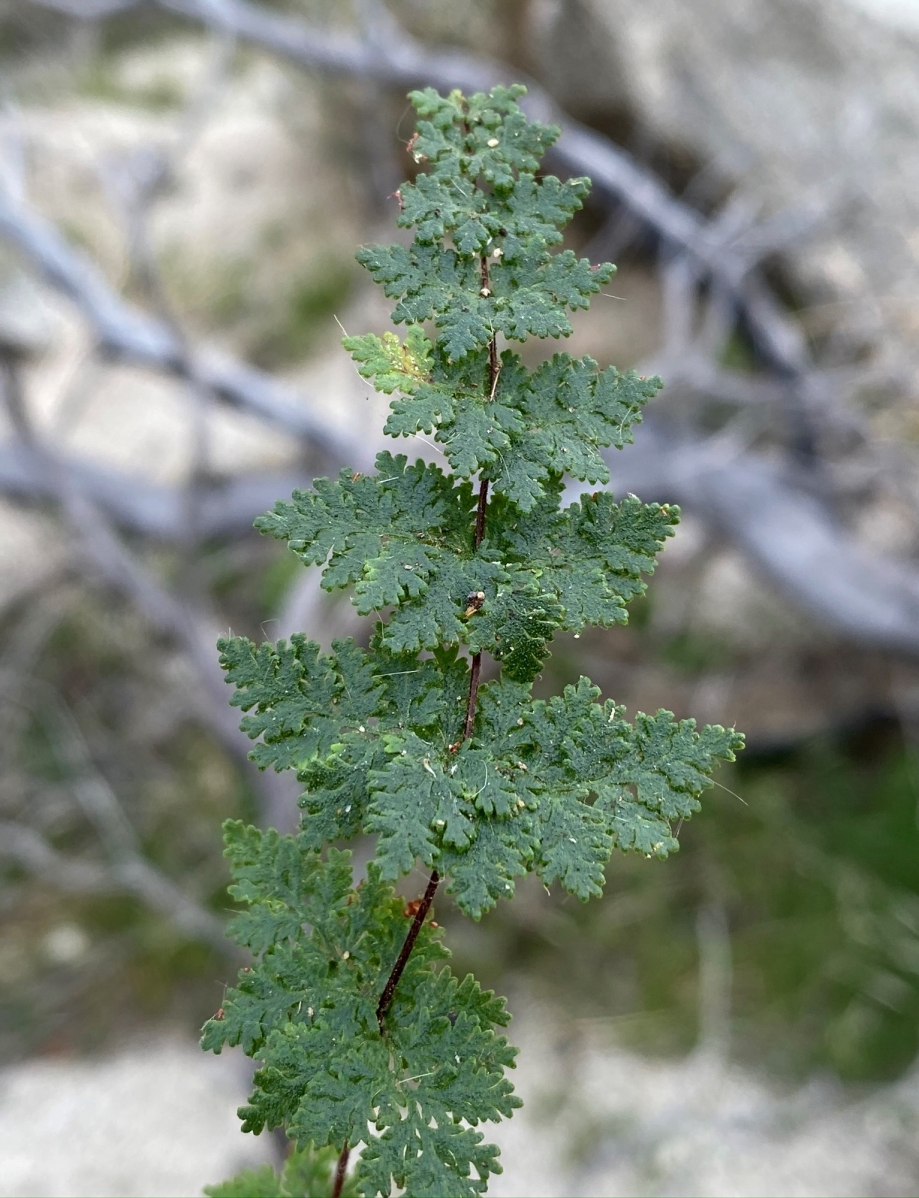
[[789, 102]]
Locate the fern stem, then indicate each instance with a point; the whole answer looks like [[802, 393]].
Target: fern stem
[[476, 666], [480, 512], [393, 980], [340, 1170], [494, 369]]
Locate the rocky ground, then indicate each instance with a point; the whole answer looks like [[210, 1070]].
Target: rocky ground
[[157, 1120]]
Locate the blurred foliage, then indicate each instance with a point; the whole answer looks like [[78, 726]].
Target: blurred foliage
[[812, 858], [78, 970], [102, 82], [311, 301], [696, 653], [305, 1173]]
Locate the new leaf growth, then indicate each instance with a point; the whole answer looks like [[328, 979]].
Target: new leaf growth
[[364, 1037]]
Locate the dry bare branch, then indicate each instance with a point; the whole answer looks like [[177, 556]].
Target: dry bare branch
[[784, 530], [139, 506], [124, 332], [104, 553], [90, 10], [391, 56], [133, 875]]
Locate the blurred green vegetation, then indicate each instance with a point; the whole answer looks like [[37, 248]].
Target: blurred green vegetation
[[102, 81], [311, 302], [813, 859], [79, 971], [811, 854], [694, 653]]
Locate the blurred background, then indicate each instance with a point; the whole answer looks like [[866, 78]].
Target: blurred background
[[182, 187]]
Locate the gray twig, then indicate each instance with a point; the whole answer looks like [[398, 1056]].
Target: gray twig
[[138, 506], [124, 332], [788, 532], [113, 562], [132, 874], [89, 10], [393, 57]]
